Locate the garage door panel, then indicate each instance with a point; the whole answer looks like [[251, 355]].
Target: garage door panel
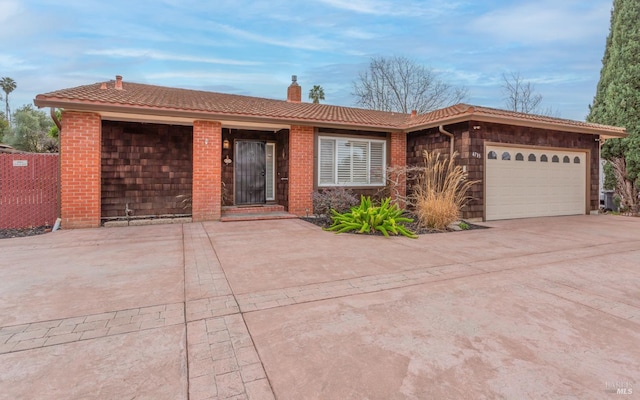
[[519, 189]]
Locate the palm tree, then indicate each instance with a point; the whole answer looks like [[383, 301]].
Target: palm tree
[[8, 85], [316, 94]]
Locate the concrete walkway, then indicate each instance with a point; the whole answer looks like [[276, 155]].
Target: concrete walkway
[[535, 308]]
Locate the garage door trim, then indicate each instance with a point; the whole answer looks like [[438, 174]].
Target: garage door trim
[[587, 153]]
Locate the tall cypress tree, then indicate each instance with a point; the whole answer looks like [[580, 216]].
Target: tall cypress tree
[[617, 99]]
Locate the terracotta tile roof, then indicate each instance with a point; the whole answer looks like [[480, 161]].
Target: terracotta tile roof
[[5, 148], [136, 98], [159, 98], [466, 112]]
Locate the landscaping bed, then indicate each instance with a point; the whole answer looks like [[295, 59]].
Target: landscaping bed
[[13, 232], [325, 222]]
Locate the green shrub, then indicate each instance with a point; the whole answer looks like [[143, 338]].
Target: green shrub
[[464, 226], [367, 218], [339, 199], [440, 191]]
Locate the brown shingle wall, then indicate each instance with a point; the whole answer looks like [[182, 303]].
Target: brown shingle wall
[[543, 138], [432, 140], [469, 143], [145, 166]]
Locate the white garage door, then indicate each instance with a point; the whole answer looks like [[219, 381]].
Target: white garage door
[[525, 182]]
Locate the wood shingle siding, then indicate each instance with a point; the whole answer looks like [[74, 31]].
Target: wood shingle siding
[[145, 166]]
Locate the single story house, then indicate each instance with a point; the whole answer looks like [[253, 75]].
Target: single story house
[[135, 149]]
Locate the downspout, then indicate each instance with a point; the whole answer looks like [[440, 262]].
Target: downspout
[[54, 117], [451, 140]]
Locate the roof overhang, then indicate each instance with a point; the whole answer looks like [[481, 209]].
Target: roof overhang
[[132, 113], [556, 125]]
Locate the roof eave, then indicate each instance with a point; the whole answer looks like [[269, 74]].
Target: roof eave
[[519, 122], [41, 102]]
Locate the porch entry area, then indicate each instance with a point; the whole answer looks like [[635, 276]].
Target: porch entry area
[[255, 175], [254, 180]]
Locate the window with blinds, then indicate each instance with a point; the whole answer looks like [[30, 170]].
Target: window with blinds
[[351, 162]]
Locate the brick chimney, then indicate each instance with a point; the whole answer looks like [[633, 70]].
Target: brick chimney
[[294, 92], [118, 82]]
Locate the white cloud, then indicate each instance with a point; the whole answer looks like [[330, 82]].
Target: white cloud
[[213, 76], [299, 42], [9, 10], [355, 33], [544, 22], [395, 8], [156, 55], [14, 63]]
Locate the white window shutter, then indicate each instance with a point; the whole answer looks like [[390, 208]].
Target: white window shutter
[[327, 162], [344, 161], [377, 167], [359, 162], [351, 162]]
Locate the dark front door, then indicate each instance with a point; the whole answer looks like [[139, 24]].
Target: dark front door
[[250, 170]]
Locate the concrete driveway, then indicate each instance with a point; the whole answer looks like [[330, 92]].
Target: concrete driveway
[[534, 308]]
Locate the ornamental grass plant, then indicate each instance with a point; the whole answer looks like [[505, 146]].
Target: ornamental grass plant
[[440, 191]]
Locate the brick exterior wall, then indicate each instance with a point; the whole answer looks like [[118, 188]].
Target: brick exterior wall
[[398, 159], [301, 153], [294, 93], [207, 171], [145, 167], [469, 143], [80, 170]]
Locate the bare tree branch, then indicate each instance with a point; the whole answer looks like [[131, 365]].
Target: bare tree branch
[[399, 84], [520, 95]]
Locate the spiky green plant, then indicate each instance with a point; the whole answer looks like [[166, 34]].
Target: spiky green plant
[[368, 218]]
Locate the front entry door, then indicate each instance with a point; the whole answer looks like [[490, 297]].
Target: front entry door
[[250, 171]]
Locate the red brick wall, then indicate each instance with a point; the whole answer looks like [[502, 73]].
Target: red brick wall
[[207, 170], [398, 157], [80, 170], [28, 193], [301, 170], [294, 93]]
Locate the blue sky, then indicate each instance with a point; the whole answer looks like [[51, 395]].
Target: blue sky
[[253, 47]]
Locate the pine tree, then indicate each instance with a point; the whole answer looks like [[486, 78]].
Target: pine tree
[[617, 99]]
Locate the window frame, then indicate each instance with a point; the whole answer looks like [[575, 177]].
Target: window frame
[[351, 183]]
